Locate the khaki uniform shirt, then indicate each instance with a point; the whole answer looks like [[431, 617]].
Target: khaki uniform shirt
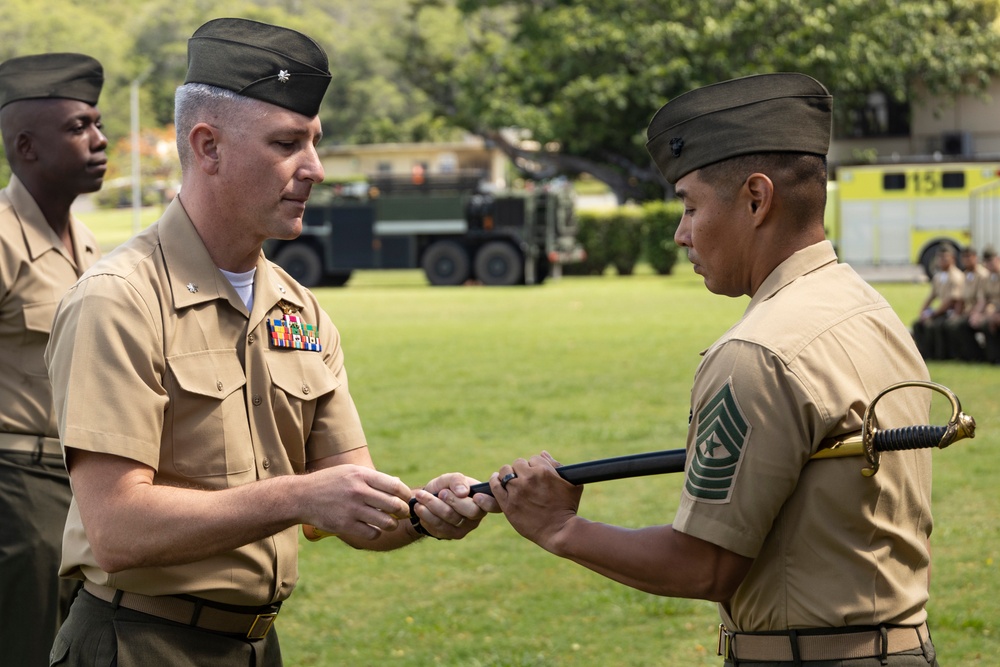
[[35, 272], [991, 292], [155, 358], [975, 283], [948, 285], [831, 548]]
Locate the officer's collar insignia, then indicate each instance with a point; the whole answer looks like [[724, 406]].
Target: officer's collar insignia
[[283, 76], [191, 287], [290, 331], [722, 433]]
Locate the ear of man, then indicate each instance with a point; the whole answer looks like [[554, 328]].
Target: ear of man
[[204, 140], [759, 191], [24, 147]]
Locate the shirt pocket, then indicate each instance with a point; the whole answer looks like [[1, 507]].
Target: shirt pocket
[[299, 380], [38, 318], [207, 415]]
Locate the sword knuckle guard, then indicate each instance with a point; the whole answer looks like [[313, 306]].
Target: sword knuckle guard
[[921, 436]]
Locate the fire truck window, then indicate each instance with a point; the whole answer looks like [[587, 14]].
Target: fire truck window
[[894, 181], [953, 180]]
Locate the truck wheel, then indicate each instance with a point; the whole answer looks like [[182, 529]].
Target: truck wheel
[[338, 278], [928, 257], [446, 263], [301, 262], [499, 263]]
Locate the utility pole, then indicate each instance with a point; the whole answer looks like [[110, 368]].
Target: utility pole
[[136, 172]]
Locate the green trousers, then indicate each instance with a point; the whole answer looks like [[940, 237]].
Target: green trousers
[[34, 499], [97, 634]]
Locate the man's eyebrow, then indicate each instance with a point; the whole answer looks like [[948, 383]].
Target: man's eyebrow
[[297, 132], [680, 193], [84, 117]]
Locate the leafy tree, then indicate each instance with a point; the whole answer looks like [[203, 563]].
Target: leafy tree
[[585, 76]]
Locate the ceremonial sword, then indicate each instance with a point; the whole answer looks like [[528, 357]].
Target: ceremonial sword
[[870, 442]]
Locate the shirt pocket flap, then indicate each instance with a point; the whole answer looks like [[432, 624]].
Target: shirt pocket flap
[[212, 373], [38, 317], [303, 375]]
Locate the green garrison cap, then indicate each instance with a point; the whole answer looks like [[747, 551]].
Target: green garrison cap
[[764, 113], [71, 76], [262, 61]]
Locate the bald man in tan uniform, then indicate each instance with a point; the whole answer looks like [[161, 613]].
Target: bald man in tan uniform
[[202, 394], [54, 144], [811, 562]]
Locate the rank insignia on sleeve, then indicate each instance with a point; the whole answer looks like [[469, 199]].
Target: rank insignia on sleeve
[[290, 331], [722, 433]]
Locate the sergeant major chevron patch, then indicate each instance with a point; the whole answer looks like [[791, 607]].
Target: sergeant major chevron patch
[[723, 431]]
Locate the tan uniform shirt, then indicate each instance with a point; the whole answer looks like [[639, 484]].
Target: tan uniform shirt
[[948, 285], [991, 292], [155, 358], [832, 548], [975, 283], [35, 272]]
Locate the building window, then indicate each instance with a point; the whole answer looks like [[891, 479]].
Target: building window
[[893, 181], [953, 180], [878, 115]]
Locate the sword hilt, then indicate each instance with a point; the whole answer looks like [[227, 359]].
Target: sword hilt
[[909, 437], [876, 441]]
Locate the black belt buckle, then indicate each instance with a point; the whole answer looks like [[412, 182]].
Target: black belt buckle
[[261, 625], [725, 642]]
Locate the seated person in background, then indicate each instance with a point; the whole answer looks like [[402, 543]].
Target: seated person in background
[[984, 320], [956, 339], [946, 293]]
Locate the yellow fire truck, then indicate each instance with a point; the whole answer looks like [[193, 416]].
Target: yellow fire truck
[[898, 214]]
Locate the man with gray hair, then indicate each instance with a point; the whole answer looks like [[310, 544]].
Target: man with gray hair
[[52, 137], [202, 394]]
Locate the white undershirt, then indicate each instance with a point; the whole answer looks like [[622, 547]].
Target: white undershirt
[[243, 284]]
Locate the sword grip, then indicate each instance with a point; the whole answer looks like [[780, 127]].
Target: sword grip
[[909, 437]]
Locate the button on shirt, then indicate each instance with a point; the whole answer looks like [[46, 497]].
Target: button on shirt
[[188, 382]]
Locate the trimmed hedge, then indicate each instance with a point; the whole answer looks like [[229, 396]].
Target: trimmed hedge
[[661, 219], [621, 237]]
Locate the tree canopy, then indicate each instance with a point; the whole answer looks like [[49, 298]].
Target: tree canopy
[[581, 78], [587, 75]]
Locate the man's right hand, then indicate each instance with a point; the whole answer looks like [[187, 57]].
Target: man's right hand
[[356, 501]]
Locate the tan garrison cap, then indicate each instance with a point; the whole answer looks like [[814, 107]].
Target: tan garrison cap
[[765, 113], [262, 61], [72, 76]]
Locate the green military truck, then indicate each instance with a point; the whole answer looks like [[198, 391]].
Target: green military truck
[[452, 229]]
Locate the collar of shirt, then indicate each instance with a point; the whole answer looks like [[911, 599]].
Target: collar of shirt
[[195, 279], [806, 260], [39, 237]]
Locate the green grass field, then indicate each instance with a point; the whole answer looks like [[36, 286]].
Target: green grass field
[[470, 378]]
